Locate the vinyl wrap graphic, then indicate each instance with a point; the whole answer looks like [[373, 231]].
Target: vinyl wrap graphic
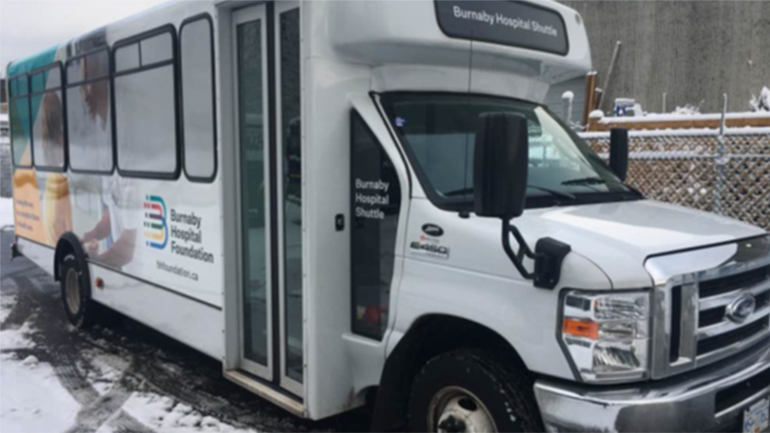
[[164, 231], [155, 225]]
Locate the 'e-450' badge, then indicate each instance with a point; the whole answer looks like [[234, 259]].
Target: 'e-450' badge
[[428, 247]]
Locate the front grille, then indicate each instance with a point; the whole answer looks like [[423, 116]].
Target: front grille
[[711, 317], [704, 320], [724, 340], [727, 284], [749, 389], [716, 331]]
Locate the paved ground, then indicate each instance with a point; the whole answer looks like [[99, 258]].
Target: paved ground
[[108, 368]]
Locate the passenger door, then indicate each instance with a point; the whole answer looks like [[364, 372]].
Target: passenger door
[[266, 65], [252, 137]]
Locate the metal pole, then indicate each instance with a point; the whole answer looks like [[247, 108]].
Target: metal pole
[[567, 98], [664, 102], [720, 161]]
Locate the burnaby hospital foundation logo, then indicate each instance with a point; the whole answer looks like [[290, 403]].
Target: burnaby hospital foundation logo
[[155, 226]]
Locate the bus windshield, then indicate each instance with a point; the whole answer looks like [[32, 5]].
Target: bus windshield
[[439, 131]]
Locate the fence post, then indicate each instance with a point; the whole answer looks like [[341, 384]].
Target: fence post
[[719, 161]]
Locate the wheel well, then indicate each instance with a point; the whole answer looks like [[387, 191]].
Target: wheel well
[[68, 244], [428, 337]]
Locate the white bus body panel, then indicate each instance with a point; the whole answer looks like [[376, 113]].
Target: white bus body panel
[[185, 319], [348, 49]]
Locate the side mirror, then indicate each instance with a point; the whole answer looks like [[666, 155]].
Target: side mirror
[[619, 152], [500, 168], [500, 165]]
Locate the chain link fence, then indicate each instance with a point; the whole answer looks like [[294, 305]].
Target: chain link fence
[[727, 173]]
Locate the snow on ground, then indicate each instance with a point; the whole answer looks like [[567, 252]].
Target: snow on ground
[[104, 371], [165, 415], [6, 304], [6, 212], [14, 339], [32, 399]]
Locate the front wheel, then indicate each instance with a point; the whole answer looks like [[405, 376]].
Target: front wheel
[[472, 391]]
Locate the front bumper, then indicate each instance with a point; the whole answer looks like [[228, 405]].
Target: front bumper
[[710, 399]]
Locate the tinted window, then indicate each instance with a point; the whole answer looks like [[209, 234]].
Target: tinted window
[[292, 189], [38, 82], [145, 111], [48, 118], [156, 49], [22, 85], [21, 128], [127, 58], [90, 67], [145, 118], [89, 121], [375, 207], [198, 99]]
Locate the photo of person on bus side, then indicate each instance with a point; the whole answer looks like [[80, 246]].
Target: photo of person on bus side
[[58, 210], [93, 127]]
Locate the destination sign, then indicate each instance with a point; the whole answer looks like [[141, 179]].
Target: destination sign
[[513, 23]]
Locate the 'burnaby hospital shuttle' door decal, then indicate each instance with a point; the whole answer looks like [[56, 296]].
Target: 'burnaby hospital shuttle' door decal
[[512, 23], [375, 206]]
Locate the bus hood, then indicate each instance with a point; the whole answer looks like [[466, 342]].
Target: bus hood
[[618, 237]]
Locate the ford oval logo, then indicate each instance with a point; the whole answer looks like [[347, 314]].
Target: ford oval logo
[[740, 309], [432, 230]]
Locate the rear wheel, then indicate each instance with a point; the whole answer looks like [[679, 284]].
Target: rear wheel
[[472, 391], [76, 292]]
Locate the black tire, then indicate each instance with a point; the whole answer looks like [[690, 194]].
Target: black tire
[[503, 387], [77, 303]]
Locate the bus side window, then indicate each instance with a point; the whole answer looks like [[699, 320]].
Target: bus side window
[[145, 105], [48, 127], [198, 121], [375, 208], [89, 113], [19, 118]]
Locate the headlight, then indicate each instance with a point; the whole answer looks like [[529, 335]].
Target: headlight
[[607, 334]]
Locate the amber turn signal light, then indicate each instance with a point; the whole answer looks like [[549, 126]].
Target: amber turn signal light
[[581, 328]]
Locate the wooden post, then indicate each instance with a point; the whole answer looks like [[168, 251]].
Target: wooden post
[[609, 74], [589, 101]]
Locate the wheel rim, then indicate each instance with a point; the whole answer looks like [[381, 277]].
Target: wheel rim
[[72, 291], [455, 409]]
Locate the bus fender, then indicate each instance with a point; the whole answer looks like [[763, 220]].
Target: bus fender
[[69, 243], [390, 408]]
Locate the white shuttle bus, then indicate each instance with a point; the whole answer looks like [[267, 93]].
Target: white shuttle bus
[[365, 202]]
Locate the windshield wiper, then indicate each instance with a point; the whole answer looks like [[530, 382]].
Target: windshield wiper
[[585, 181], [461, 191], [553, 192]]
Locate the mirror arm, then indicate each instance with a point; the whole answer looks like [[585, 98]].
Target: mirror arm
[[524, 251], [548, 257]]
